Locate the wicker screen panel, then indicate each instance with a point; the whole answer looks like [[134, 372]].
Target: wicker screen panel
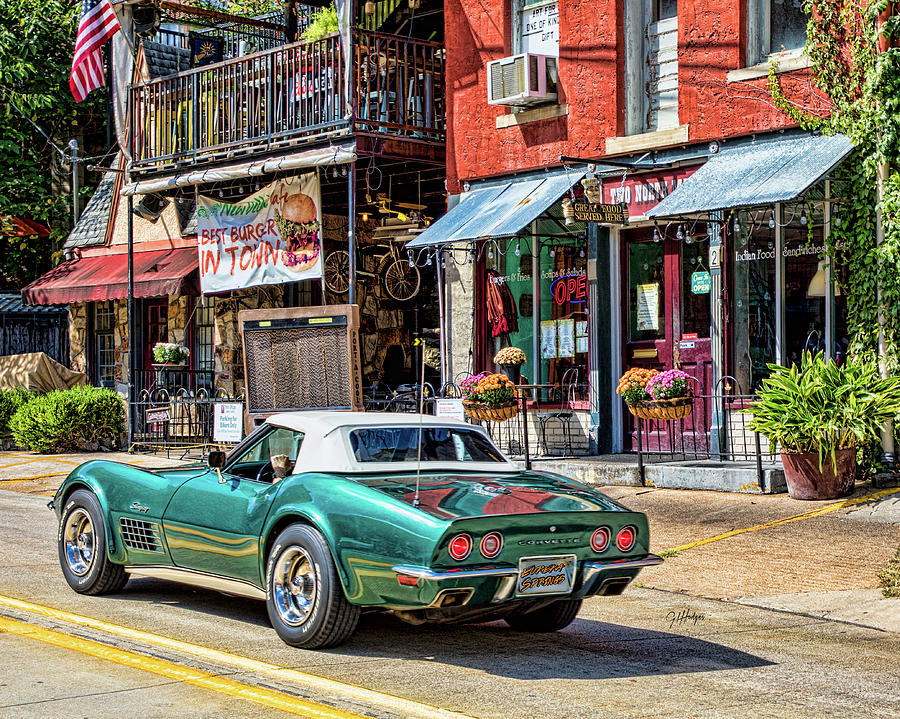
[[301, 358], [290, 368]]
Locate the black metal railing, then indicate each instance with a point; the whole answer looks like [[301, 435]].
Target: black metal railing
[[715, 429], [288, 94], [179, 422], [173, 378]]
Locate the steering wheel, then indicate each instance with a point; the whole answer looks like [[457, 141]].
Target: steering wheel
[[266, 473]]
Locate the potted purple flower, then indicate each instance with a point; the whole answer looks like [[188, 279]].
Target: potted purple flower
[[671, 395]]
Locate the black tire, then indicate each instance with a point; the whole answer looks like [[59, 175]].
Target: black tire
[[316, 615], [550, 618], [81, 545]]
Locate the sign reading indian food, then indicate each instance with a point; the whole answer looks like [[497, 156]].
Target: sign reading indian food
[[271, 237], [605, 214]]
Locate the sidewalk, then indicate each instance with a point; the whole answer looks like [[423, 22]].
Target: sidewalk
[[815, 558]]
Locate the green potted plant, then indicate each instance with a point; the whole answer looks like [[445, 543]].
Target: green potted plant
[[509, 361], [818, 414]]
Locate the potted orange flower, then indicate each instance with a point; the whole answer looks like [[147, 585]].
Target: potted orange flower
[[490, 397], [509, 361]]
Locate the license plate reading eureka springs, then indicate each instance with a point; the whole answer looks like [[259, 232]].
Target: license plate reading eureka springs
[[546, 575]]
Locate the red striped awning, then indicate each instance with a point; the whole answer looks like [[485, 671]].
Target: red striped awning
[[93, 279]]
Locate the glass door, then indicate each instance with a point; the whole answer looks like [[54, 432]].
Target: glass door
[[667, 314]]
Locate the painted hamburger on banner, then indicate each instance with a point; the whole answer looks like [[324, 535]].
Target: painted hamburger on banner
[[272, 236]]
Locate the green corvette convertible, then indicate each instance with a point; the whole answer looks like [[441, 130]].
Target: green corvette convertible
[[324, 514]]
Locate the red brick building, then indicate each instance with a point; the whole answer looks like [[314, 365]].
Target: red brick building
[[650, 100]]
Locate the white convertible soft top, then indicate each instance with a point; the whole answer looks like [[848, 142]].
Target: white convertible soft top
[[326, 444]]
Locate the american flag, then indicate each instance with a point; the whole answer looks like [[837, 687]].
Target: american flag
[[98, 24]]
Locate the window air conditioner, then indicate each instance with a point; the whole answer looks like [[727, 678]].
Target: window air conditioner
[[524, 79]]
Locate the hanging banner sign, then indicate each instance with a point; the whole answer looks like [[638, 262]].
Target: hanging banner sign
[[269, 238], [609, 214]]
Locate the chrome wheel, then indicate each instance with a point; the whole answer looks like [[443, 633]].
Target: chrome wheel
[[78, 535], [294, 586]]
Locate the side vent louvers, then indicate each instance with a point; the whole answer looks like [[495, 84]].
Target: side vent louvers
[[525, 79], [140, 535]]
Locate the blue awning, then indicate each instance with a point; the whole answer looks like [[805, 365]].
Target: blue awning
[[758, 174], [498, 210]]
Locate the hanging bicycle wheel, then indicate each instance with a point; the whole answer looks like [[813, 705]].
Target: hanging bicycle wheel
[[401, 281], [337, 271]]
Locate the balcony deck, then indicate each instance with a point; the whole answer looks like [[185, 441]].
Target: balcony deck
[[292, 95]]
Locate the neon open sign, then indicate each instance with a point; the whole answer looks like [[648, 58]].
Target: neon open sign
[[569, 288]]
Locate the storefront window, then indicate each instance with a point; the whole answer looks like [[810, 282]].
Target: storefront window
[[754, 298], [560, 319], [803, 303], [564, 316], [804, 285], [695, 288], [646, 282], [104, 350], [510, 299]]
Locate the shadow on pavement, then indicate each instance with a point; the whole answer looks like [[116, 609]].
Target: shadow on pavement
[[586, 649]]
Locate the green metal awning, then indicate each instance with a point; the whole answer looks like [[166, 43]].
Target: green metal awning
[[499, 210], [759, 174]]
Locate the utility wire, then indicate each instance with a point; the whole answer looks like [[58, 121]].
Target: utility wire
[[36, 127], [56, 147]]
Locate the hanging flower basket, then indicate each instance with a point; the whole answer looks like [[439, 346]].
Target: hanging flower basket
[[677, 408], [490, 412]]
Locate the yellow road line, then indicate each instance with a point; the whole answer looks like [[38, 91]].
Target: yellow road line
[[777, 522], [18, 464], [53, 474], [180, 673], [402, 706], [35, 476]]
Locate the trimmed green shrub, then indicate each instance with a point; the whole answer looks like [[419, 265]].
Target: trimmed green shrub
[[80, 418], [10, 401]]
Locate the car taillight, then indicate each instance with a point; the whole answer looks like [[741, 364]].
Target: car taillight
[[491, 544], [600, 539], [460, 547], [626, 538]]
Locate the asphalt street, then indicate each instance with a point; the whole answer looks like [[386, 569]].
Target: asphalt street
[[201, 654]]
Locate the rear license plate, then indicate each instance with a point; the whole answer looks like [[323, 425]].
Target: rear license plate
[[545, 575]]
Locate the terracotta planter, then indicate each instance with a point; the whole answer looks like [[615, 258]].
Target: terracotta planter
[[806, 481]]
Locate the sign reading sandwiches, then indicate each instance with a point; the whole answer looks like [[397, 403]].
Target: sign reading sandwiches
[[272, 236], [603, 214]]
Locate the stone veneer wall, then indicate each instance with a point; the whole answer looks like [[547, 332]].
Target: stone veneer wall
[[229, 349], [460, 280], [382, 323], [78, 339]]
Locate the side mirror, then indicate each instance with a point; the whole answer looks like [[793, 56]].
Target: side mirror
[[216, 459]]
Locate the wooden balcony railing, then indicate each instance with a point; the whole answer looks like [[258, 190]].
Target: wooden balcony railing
[[285, 96]]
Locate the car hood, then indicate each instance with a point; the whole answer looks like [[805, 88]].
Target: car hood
[[466, 495]]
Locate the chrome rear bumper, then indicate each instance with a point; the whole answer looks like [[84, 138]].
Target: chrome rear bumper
[[590, 569]]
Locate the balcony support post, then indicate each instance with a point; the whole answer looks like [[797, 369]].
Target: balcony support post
[[132, 385], [351, 231]]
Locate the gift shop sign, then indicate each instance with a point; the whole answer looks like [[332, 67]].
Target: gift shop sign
[[641, 193], [271, 237]]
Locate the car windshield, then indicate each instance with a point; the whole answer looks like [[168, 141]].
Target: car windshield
[[439, 444]]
